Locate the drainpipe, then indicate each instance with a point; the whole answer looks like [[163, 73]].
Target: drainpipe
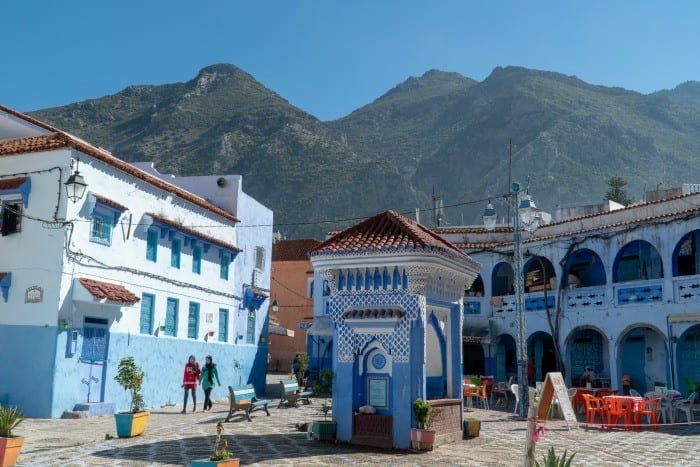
[[671, 359]]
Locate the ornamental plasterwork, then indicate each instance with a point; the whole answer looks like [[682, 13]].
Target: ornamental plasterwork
[[328, 276], [418, 277]]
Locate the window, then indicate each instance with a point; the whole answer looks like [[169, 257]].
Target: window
[[193, 321], [197, 260], [152, 246], [223, 325], [223, 263], [309, 287], [11, 217], [259, 258], [101, 228], [147, 302], [175, 251], [250, 335], [171, 317]]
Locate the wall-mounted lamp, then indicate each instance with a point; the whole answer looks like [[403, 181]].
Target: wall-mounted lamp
[[75, 185], [275, 306]]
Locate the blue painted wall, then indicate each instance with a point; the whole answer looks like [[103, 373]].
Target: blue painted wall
[[28, 355], [163, 360]]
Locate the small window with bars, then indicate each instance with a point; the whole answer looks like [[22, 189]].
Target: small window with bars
[[11, 217], [259, 258]]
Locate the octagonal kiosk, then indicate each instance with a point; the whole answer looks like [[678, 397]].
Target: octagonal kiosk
[[395, 305]]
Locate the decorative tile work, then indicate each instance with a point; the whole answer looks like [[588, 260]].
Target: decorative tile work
[[585, 298], [687, 290], [651, 293], [472, 307], [536, 302]]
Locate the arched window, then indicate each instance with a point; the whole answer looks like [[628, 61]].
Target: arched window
[[638, 260], [502, 283], [583, 268], [539, 273], [477, 288], [686, 255]]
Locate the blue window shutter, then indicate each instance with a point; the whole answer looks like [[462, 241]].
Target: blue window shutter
[[193, 321], [101, 228], [175, 253], [171, 317], [224, 262], [223, 325], [147, 302], [152, 246], [197, 260]]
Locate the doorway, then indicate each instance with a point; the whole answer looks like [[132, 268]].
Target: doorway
[[93, 357]]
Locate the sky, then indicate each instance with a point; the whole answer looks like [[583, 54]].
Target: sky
[[330, 57]]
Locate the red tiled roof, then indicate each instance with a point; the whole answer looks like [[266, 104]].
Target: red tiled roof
[[107, 291], [62, 140], [472, 230], [293, 250], [192, 232], [387, 230], [110, 203], [376, 314], [12, 183], [29, 119]]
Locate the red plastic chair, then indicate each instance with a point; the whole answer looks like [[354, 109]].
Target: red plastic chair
[[594, 406], [616, 409]]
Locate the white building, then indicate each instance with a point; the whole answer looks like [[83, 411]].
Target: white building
[[144, 265]]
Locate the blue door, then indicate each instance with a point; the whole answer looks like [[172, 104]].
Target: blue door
[[633, 362], [93, 357]]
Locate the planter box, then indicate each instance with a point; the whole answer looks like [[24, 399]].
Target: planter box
[[9, 450], [324, 431], [224, 463], [423, 440], [129, 424], [471, 428]]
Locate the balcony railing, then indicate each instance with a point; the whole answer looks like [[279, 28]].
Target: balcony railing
[[686, 289], [639, 293], [585, 298]]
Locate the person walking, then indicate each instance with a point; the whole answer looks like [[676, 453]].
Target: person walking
[[189, 381], [206, 379]]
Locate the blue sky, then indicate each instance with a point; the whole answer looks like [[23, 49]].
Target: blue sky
[[331, 57]]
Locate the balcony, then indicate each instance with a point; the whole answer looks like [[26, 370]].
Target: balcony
[[585, 298], [686, 289], [639, 293]]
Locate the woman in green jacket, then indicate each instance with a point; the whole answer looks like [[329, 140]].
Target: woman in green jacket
[[206, 379]]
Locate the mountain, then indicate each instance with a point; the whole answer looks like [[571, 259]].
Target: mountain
[[440, 131]]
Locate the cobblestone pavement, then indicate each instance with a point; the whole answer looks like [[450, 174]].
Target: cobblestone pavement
[[172, 438]]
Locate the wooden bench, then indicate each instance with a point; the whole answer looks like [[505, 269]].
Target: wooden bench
[[291, 394], [243, 398]]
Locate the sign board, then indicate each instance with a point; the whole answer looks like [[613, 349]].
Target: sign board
[[34, 294], [305, 324], [554, 386], [378, 392]]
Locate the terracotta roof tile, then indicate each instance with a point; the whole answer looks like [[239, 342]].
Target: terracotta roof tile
[[374, 314], [293, 250], [12, 183], [62, 140], [106, 291], [110, 203], [472, 230], [386, 231], [192, 232]]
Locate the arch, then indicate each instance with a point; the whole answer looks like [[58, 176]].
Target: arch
[[435, 359], [583, 268], [688, 357], [473, 357], [502, 280], [540, 356], [537, 272], [637, 260], [587, 352], [477, 287], [642, 355], [506, 360], [686, 255]]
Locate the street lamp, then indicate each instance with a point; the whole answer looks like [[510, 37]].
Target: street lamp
[[75, 185], [526, 217], [275, 306]]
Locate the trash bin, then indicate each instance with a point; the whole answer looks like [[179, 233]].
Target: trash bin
[[470, 428]]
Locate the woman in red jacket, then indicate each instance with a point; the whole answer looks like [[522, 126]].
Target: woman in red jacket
[[190, 379]]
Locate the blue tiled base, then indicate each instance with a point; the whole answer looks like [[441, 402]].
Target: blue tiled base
[[95, 409]]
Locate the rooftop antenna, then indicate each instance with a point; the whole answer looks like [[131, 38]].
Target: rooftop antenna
[[510, 170], [437, 209]]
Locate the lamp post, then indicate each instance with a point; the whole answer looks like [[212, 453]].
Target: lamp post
[[75, 185], [525, 215]]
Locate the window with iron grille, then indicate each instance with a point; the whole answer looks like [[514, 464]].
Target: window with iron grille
[[223, 325], [152, 246], [193, 321], [101, 228], [197, 260], [175, 250], [147, 304], [250, 335], [259, 258], [171, 312], [11, 217]]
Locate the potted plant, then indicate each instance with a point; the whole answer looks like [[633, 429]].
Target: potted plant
[[552, 460], [130, 377], [325, 388], [324, 430], [423, 437], [10, 445], [221, 456]]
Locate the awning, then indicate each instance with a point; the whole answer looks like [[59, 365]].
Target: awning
[[253, 297], [104, 293], [279, 330], [321, 327]]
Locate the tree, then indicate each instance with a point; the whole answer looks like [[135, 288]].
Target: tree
[[616, 190]]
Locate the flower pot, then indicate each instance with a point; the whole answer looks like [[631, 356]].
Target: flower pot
[[324, 430], [131, 424], [9, 450], [422, 440], [226, 462], [471, 428]]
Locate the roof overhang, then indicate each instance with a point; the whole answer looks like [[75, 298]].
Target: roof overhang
[[92, 292], [321, 327]]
